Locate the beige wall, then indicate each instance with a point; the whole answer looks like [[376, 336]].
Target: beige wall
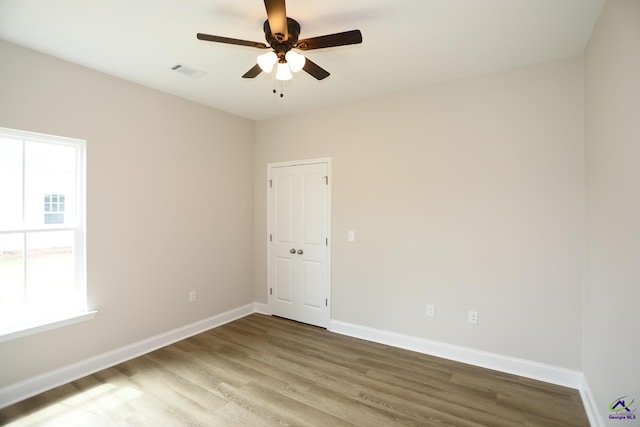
[[467, 195], [170, 205], [612, 288]]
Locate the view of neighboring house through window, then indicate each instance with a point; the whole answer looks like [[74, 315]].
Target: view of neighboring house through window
[[54, 209], [42, 250]]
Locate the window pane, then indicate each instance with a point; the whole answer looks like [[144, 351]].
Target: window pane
[[11, 272], [50, 268], [10, 183], [49, 171], [50, 218]]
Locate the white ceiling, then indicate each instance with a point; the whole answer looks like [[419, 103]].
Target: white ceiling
[[407, 43]]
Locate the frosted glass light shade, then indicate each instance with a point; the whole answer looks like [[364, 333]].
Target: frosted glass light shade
[[283, 73], [295, 60], [267, 61]]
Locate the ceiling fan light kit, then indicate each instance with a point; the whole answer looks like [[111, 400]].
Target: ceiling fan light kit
[[282, 33], [283, 73], [267, 61], [292, 62], [295, 60]]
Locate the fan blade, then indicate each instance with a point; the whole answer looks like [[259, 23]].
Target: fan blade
[[227, 40], [277, 17], [331, 40], [315, 70], [252, 72]]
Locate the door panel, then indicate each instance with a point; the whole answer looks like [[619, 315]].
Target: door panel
[[284, 209], [284, 279], [298, 250], [312, 209], [313, 277]]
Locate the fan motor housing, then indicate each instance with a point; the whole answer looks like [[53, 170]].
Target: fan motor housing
[[281, 47]]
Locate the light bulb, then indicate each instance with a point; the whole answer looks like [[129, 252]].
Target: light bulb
[[283, 73], [295, 60], [267, 61]]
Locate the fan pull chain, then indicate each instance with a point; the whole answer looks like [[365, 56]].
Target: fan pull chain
[[274, 88]]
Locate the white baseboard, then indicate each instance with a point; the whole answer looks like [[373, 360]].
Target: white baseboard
[[521, 367], [262, 308], [33, 386], [594, 415]]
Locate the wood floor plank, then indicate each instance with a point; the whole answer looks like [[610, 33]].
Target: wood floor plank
[[266, 371]]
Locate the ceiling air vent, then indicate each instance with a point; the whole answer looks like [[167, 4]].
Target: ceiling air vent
[[188, 71]]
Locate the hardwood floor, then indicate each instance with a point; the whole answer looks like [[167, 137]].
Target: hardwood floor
[[267, 371]]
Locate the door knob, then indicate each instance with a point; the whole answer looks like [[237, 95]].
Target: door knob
[[292, 251], [300, 251]]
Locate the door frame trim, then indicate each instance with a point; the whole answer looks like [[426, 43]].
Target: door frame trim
[[273, 165]]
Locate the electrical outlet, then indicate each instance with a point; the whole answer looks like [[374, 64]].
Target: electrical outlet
[[192, 296], [431, 310], [473, 317]]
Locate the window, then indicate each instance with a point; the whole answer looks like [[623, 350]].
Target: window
[[42, 236], [54, 209]]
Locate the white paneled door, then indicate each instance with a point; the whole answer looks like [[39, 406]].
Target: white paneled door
[[299, 279]]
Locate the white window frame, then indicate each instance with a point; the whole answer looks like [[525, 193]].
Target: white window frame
[[32, 326]]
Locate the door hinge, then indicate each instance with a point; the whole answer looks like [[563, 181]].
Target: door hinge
[[326, 180], [326, 302], [270, 183], [270, 291], [326, 242], [271, 237]]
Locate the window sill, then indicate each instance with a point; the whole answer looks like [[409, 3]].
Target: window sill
[[45, 325]]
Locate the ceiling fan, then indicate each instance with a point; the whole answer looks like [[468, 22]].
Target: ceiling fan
[[282, 34]]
